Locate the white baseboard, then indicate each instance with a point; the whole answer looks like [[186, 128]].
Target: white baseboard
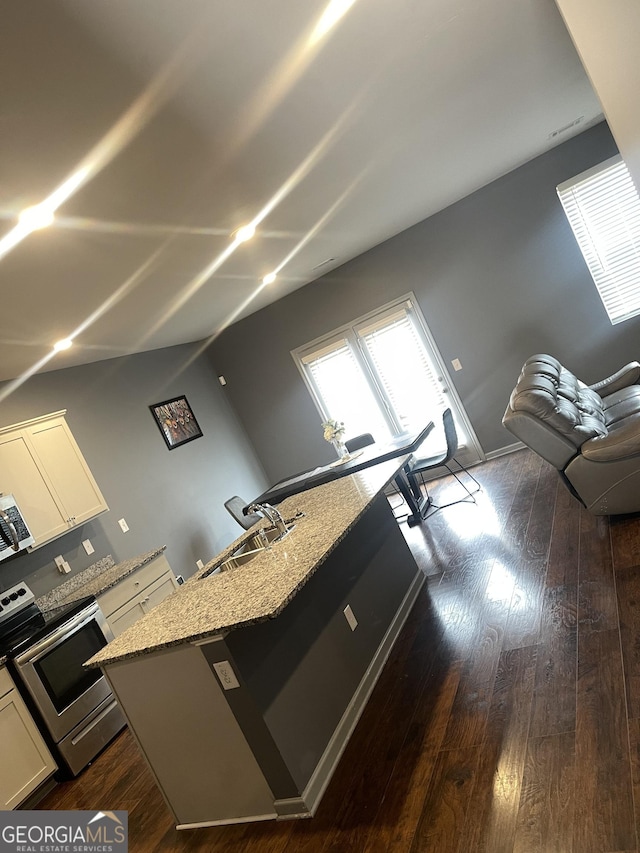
[[504, 451]]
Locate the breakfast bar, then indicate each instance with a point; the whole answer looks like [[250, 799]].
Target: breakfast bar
[[243, 687]]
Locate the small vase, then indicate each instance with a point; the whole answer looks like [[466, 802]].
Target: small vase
[[341, 448]]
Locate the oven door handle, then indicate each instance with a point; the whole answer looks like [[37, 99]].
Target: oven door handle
[[12, 530], [59, 635]]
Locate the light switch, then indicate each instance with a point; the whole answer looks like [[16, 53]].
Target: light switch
[[200, 564], [123, 525], [457, 365], [88, 547]]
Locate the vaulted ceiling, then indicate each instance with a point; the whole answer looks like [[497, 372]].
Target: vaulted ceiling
[[155, 129]]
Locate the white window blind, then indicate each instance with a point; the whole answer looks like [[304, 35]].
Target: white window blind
[[603, 209], [344, 390], [402, 367]]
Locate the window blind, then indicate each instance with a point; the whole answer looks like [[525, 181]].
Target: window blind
[[402, 366], [603, 209], [344, 389]]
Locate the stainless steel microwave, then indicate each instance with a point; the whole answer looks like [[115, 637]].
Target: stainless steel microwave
[[15, 535]]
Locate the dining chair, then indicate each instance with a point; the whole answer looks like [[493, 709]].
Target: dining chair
[[418, 467], [359, 441], [234, 507]]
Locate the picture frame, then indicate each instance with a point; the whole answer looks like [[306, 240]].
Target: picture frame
[[176, 421]]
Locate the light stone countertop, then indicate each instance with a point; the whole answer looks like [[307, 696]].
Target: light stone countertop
[[95, 580], [260, 589]]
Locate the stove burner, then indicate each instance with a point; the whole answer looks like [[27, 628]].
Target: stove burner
[[13, 601]]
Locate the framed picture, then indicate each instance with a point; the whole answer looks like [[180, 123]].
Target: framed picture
[[176, 421]]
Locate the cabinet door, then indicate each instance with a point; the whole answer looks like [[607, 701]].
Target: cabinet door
[[160, 590], [122, 618], [26, 761], [126, 616], [20, 475], [64, 467]]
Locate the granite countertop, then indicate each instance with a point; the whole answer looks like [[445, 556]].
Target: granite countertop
[[260, 589], [94, 580]]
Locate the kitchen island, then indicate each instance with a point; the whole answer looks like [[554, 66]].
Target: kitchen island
[[243, 687]]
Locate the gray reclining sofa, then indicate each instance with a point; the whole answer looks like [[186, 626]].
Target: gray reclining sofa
[[590, 433]]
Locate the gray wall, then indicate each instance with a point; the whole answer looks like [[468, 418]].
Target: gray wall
[[173, 498], [498, 277]]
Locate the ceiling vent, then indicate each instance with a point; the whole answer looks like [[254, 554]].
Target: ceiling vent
[[322, 264], [567, 127]]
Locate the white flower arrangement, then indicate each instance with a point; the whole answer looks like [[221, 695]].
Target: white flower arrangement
[[333, 430]]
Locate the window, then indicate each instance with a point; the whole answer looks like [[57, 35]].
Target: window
[[603, 209], [377, 374]]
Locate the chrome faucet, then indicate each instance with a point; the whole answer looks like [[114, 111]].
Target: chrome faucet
[[272, 515]]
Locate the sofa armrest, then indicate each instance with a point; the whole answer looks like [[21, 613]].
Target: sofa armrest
[[627, 375], [621, 442]]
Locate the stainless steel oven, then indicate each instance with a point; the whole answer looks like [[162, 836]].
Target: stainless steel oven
[[74, 705]]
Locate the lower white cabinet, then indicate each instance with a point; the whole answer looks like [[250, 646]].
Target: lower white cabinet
[[136, 594], [26, 761]]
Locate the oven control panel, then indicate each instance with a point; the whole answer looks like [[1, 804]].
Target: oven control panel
[[14, 600]]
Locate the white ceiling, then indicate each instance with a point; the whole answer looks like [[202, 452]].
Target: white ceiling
[[194, 116]]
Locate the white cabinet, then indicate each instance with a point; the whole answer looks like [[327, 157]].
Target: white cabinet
[[137, 594], [26, 761], [41, 464]]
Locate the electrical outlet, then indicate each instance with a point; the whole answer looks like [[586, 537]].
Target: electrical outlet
[[457, 364], [350, 617], [123, 525], [200, 564], [226, 675], [88, 547], [63, 567]]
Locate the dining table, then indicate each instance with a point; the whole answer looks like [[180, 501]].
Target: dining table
[[403, 444]]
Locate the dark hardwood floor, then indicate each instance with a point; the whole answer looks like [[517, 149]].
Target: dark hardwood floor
[[507, 717]]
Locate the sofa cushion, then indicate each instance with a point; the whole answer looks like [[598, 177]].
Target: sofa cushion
[[550, 392], [622, 442], [621, 404]]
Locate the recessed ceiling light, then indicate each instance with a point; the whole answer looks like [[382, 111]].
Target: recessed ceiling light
[[38, 216], [65, 343], [269, 278], [245, 233]]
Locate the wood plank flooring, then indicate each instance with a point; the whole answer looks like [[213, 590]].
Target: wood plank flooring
[[507, 717]]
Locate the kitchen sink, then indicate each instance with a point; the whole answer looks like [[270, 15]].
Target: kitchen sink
[[267, 536], [250, 548], [239, 558]]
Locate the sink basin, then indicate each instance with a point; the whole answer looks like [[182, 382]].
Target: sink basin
[[250, 548], [268, 536], [239, 558]]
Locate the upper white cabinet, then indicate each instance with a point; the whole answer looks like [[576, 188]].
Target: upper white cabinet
[[41, 464]]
